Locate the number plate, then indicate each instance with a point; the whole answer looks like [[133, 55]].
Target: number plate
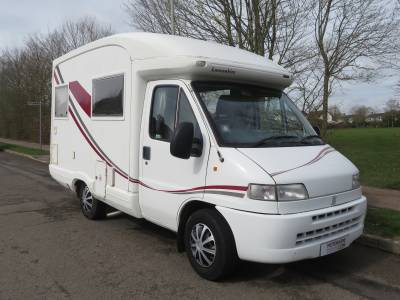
[[333, 246]]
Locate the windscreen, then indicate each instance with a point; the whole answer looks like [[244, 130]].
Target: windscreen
[[250, 116]]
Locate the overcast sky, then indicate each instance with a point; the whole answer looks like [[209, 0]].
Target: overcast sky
[[18, 18]]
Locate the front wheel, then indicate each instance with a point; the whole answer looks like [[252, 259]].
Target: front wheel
[[210, 245], [91, 208]]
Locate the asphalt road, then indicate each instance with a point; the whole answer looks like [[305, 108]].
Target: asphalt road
[[49, 250]]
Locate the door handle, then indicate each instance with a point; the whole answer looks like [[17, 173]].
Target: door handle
[[146, 152]]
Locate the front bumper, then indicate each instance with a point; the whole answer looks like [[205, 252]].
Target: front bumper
[[292, 237]]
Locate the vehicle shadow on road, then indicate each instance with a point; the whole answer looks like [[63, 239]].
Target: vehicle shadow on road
[[348, 262], [349, 269], [145, 226]]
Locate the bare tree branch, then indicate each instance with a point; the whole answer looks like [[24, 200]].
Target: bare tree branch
[[25, 75], [353, 36]]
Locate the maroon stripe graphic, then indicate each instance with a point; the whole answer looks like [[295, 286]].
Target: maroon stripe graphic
[[56, 78], [59, 74], [94, 147], [213, 187], [200, 188], [319, 156], [82, 96], [85, 136], [89, 136], [133, 180]]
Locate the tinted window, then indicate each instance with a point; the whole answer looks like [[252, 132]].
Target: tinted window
[[252, 116], [108, 94], [271, 115], [185, 114], [294, 125], [61, 101], [163, 111]]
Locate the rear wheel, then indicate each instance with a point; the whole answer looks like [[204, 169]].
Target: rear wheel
[[91, 208], [210, 245]]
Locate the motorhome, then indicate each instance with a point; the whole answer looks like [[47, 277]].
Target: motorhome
[[200, 138]]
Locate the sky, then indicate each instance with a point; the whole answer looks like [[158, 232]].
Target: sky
[[18, 18]]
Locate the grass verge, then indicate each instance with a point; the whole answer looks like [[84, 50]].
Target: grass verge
[[24, 150], [383, 222], [375, 151]]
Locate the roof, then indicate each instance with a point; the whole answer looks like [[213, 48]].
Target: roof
[[143, 45], [179, 55]]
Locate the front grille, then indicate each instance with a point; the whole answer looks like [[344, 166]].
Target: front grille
[[327, 231], [333, 214]]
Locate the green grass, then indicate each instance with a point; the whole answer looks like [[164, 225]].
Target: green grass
[[383, 222], [375, 151], [23, 150]]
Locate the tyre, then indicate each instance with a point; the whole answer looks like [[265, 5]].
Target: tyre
[[92, 208], [210, 245]]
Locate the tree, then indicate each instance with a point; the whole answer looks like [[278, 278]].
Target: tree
[[351, 35], [360, 114], [336, 113], [25, 75], [392, 112], [276, 29], [322, 42], [271, 28]]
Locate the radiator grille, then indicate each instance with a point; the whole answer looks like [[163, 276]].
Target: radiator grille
[[332, 214], [327, 231]]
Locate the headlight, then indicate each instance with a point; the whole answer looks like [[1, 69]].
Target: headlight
[[356, 181], [285, 192], [291, 192], [261, 192]]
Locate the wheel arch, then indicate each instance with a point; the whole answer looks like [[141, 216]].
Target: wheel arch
[[77, 183], [188, 208]]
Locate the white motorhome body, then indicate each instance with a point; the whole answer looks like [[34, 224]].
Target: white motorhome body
[[121, 108]]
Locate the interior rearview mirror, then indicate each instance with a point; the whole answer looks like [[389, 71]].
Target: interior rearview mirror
[[317, 130], [181, 143]]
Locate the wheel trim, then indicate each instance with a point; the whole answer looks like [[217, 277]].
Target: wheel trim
[[202, 245], [87, 200]]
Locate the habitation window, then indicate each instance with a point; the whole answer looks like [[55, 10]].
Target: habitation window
[[108, 95], [61, 101]]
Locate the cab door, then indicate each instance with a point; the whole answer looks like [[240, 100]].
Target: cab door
[[167, 181]]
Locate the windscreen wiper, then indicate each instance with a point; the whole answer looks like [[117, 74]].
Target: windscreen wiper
[[274, 138], [310, 137]]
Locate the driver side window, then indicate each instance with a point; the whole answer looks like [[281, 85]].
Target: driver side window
[[163, 111], [170, 107]]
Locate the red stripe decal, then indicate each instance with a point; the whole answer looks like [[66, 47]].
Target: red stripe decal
[[82, 96], [200, 188], [213, 187], [85, 136], [56, 78], [133, 180], [319, 156]]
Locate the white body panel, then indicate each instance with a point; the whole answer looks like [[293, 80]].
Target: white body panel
[[276, 238], [304, 163], [166, 172], [106, 153]]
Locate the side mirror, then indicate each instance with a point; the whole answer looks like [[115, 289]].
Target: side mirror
[[181, 143], [317, 130]]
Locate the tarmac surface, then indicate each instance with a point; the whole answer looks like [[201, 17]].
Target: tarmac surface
[[48, 250]]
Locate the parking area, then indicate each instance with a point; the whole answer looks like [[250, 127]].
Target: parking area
[[49, 250]]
